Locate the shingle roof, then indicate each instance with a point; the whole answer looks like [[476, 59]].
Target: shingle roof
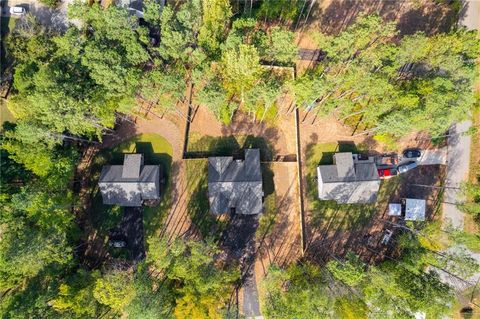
[[414, 209], [235, 184], [131, 165], [119, 186], [347, 181]]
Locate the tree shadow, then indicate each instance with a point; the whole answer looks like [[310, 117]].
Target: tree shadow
[[428, 16], [208, 146]]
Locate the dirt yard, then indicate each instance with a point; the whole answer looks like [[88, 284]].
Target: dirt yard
[[334, 230], [280, 136]]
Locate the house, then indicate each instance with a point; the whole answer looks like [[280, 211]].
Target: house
[[351, 179], [235, 186], [131, 183]]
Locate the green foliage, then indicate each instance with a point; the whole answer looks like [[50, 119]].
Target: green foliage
[[278, 46], [114, 289], [351, 271], [390, 289], [179, 30], [50, 3], [202, 288], [151, 300], [216, 14], [472, 206], [75, 296], [240, 69], [298, 292], [280, 9], [163, 89], [417, 84], [152, 12]]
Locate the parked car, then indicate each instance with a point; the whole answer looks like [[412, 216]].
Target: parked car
[[118, 243], [407, 166], [412, 153], [386, 172], [17, 11]]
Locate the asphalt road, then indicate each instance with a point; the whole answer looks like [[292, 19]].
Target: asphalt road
[[470, 14], [458, 162], [458, 159]]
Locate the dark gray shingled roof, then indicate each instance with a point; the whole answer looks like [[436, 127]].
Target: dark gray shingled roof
[[131, 183], [131, 165], [348, 182], [235, 184]]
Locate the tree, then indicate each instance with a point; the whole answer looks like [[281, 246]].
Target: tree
[[279, 9], [301, 291], [114, 289], [240, 69], [152, 300], [75, 296], [472, 205], [406, 86], [201, 286], [179, 31], [351, 272], [163, 89], [278, 46], [216, 14]]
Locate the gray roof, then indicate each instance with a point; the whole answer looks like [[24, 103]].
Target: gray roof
[[414, 209], [119, 186], [235, 184], [131, 165], [348, 181]]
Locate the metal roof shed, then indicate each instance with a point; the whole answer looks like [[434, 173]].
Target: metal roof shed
[[394, 209], [414, 209]]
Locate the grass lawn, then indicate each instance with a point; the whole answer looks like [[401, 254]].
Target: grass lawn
[[5, 115], [346, 216], [157, 151], [268, 217], [198, 206], [472, 225], [7, 25]]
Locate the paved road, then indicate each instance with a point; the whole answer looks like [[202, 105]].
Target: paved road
[[458, 162], [251, 306], [458, 158], [470, 14]]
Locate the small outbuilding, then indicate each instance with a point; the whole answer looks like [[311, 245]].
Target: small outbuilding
[[414, 209], [394, 209], [131, 183]]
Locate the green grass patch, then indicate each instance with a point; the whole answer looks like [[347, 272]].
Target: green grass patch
[[6, 26], [157, 151], [268, 116], [338, 216], [269, 214], [198, 207], [5, 114]]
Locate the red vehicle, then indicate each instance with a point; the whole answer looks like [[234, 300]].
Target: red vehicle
[[387, 172]]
